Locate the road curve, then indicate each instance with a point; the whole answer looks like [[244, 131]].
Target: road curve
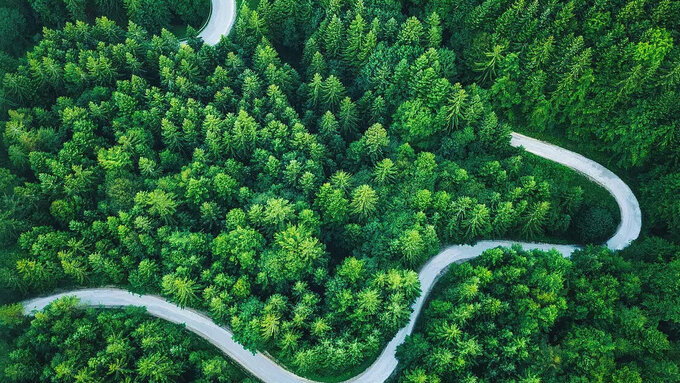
[[221, 20], [264, 368], [223, 16], [631, 217]]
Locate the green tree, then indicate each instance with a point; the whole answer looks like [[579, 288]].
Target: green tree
[[333, 92], [375, 141], [364, 201], [535, 218], [183, 290], [157, 368]]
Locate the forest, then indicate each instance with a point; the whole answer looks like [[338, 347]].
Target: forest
[[22, 21], [122, 345], [291, 180], [515, 316]]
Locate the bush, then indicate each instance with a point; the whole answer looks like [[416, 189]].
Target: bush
[[594, 224]]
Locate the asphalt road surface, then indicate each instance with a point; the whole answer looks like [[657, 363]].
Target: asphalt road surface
[[221, 20]]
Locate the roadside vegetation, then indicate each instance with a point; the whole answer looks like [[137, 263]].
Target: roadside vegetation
[[291, 180], [511, 315], [601, 79], [65, 343], [22, 21]]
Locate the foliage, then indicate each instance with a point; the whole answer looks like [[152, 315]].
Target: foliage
[[22, 22], [67, 343], [595, 224], [604, 75], [150, 14], [292, 178], [512, 315]]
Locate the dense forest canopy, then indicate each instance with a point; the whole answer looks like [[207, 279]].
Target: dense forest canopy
[[22, 21], [67, 344], [604, 74], [150, 14], [512, 316], [292, 179]]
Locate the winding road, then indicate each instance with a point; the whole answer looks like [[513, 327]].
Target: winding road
[[266, 369]]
